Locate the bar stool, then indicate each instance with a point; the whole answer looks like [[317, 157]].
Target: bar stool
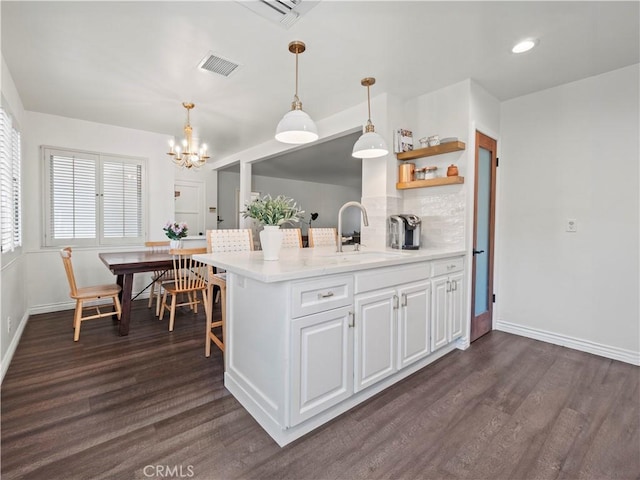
[[226, 240]]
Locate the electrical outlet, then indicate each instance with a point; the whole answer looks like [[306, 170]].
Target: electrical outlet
[[572, 225], [9, 324]]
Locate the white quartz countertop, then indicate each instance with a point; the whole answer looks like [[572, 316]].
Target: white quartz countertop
[[297, 263]]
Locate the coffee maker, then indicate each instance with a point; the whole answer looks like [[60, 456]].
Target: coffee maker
[[404, 231]]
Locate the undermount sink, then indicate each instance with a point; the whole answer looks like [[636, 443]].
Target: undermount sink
[[367, 253], [351, 257]]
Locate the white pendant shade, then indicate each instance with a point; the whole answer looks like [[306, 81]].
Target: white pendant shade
[[296, 127], [370, 145]]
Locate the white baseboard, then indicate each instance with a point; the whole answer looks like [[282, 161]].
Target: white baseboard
[[6, 360], [67, 305], [615, 353], [52, 307]]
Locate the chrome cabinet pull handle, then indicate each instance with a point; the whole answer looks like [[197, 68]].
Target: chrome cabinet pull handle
[[454, 285], [352, 319], [404, 300], [325, 295], [448, 285], [395, 302]]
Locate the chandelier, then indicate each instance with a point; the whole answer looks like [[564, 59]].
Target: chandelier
[[191, 156]]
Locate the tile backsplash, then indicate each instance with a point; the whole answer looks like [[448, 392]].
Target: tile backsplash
[[442, 214], [378, 210]]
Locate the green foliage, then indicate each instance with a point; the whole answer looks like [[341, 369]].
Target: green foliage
[[273, 211], [175, 230]]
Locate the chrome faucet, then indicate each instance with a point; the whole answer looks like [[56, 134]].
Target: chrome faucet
[[365, 219]]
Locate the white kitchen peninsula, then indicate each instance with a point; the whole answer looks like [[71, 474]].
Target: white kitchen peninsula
[[317, 332]]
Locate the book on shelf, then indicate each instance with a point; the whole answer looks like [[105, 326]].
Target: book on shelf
[[402, 140]]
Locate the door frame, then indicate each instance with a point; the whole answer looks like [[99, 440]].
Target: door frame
[[488, 143]]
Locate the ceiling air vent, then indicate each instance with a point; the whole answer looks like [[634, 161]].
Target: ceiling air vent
[[216, 64], [282, 12]]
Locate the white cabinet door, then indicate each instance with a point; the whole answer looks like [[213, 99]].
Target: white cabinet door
[[456, 305], [375, 334], [439, 337], [322, 363], [414, 322], [448, 298]]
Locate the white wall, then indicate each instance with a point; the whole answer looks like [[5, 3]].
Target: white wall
[[228, 184], [572, 152], [444, 112], [324, 199], [13, 299], [48, 289]]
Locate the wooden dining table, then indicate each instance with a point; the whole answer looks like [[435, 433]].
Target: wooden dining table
[[124, 265]]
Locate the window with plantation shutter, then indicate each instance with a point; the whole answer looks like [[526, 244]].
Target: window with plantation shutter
[[10, 202], [93, 199], [122, 187]]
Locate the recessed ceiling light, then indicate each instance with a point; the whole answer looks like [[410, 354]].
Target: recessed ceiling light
[[524, 46]]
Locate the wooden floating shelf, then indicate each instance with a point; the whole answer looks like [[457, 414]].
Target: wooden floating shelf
[[433, 182], [429, 151]]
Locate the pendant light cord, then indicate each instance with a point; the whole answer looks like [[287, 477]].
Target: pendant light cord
[[369, 104], [296, 95]]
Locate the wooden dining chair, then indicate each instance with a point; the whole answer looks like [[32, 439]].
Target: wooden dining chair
[[158, 276], [189, 278], [319, 237], [224, 240], [88, 294], [291, 238]]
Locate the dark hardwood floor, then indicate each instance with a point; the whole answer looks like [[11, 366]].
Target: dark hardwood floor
[[150, 405]]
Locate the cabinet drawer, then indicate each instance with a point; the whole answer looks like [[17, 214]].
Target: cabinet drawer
[[320, 295], [386, 277], [450, 265]]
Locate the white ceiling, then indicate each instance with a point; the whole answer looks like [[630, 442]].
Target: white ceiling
[[132, 64]]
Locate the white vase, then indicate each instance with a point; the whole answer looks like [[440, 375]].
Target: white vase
[[271, 241], [173, 244]]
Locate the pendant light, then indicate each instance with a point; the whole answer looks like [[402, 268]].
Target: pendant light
[[370, 144], [296, 127]]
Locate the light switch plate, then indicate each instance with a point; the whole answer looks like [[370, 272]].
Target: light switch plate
[[572, 225]]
